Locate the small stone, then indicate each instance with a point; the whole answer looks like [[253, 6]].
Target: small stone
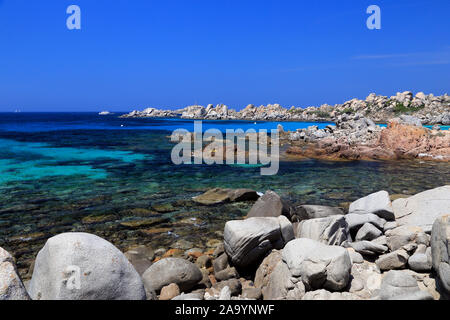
[[169, 292]]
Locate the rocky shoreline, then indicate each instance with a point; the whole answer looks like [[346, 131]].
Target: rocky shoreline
[[379, 248], [429, 109], [359, 138]]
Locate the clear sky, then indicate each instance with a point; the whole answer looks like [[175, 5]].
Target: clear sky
[[172, 53]]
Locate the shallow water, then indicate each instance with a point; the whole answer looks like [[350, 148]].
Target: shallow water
[[83, 172]]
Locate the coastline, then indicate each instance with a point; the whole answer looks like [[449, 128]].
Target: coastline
[[429, 109]]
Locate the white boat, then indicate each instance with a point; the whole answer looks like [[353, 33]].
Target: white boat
[[104, 113]]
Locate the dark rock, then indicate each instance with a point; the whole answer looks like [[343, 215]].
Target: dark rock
[[270, 205]]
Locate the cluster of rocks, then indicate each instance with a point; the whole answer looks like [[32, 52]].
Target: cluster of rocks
[[378, 249], [429, 109], [357, 137], [351, 128]]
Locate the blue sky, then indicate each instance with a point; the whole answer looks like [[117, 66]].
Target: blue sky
[[172, 53]]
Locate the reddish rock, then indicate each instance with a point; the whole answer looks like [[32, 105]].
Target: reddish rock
[[169, 292]]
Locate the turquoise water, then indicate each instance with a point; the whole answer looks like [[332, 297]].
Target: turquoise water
[[86, 173], [33, 161]]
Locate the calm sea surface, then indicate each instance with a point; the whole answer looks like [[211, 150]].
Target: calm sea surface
[[113, 177]]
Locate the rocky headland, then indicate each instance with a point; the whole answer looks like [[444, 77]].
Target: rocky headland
[[377, 248], [429, 109], [355, 137]]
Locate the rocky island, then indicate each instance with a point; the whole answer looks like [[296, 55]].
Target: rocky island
[[429, 109]]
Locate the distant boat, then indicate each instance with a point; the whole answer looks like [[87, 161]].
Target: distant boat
[[104, 113], [17, 111]]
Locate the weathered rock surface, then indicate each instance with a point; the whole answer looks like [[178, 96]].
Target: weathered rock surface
[[331, 230], [422, 209], [247, 241], [270, 205], [377, 203], [172, 270], [440, 251], [82, 266], [318, 265], [11, 286]]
